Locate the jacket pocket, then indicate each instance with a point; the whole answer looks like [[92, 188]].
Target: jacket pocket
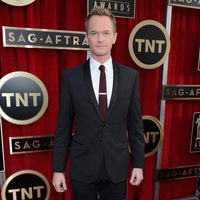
[[77, 145]]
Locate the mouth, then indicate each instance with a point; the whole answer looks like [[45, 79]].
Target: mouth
[[100, 46]]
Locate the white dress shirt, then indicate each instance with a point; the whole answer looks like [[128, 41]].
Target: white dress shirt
[[95, 76]]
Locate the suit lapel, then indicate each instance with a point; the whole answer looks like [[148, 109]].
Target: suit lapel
[[115, 88], [88, 82], [91, 93]]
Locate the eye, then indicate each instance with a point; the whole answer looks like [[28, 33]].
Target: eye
[[93, 33], [107, 33]]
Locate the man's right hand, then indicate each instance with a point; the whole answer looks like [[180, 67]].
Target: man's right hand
[[59, 182]]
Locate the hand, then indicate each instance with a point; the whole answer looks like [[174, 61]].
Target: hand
[[59, 182], [136, 176]]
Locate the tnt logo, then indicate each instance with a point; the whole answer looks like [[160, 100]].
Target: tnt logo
[[149, 44], [23, 98], [19, 187], [153, 134]]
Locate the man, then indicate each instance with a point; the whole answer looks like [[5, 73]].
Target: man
[[103, 97]]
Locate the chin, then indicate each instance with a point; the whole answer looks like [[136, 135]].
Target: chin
[[101, 53]]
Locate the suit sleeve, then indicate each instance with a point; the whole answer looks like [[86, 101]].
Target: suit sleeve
[[135, 127], [63, 131]]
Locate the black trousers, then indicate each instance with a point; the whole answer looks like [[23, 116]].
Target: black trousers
[[102, 188]]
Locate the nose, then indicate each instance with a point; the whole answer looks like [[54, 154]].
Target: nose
[[100, 37]]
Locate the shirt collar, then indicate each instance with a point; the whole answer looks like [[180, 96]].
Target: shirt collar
[[94, 65]]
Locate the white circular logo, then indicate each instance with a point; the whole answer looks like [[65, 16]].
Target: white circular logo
[[18, 2]]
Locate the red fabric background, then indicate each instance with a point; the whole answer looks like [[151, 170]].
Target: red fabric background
[[48, 65], [183, 62]]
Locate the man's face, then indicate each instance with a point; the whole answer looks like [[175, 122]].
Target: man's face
[[100, 36]]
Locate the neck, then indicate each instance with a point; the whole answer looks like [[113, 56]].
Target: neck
[[101, 59]]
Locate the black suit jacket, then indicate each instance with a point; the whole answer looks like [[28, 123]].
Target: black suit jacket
[[95, 137]]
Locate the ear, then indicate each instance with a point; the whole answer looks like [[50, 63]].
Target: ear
[[114, 38]]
